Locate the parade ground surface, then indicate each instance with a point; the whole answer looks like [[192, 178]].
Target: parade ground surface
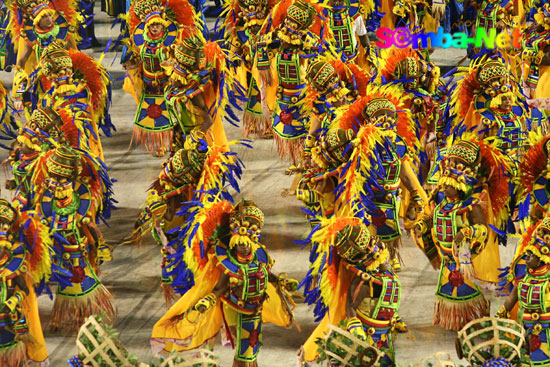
[[134, 274]]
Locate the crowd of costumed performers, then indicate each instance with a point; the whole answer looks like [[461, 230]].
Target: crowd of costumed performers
[[380, 144]]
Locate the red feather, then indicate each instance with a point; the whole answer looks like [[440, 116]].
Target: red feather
[[494, 162], [393, 57], [532, 165], [217, 215], [94, 75]]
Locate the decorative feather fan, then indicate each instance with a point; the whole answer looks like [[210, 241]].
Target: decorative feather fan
[[35, 235], [99, 82], [322, 276], [225, 92], [203, 223]]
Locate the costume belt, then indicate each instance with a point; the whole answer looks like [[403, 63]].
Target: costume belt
[[536, 316], [382, 325]]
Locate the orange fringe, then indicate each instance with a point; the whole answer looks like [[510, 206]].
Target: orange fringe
[[244, 364], [14, 356], [170, 297], [289, 148], [69, 313], [454, 315], [152, 141], [255, 124]]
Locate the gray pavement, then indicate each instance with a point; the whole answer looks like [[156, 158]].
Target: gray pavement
[[133, 275]]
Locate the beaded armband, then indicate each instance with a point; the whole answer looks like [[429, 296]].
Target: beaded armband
[[475, 233], [355, 327], [307, 196], [15, 300], [20, 83], [208, 301]]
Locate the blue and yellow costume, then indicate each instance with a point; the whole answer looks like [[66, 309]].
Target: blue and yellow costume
[[293, 33], [531, 291], [147, 78], [472, 260], [25, 262], [226, 289], [345, 257], [74, 192]]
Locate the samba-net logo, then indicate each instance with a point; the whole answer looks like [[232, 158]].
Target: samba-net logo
[[403, 38]]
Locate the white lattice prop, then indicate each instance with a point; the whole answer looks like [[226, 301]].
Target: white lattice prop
[[503, 337], [195, 358], [367, 354], [439, 359], [105, 349]]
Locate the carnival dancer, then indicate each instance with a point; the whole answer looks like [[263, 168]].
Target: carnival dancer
[[201, 91], [195, 173], [36, 24], [243, 20], [229, 284], [332, 85], [46, 129], [347, 281], [472, 177], [488, 99], [419, 80], [531, 292], [73, 193], [292, 35], [80, 87], [536, 57], [382, 109], [154, 26], [347, 24], [25, 253]]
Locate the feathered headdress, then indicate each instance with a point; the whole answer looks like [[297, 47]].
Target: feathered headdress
[[407, 66], [305, 14], [486, 79], [178, 11], [388, 97], [31, 11], [77, 164], [471, 162], [533, 173], [28, 229], [539, 242], [331, 79], [245, 13], [206, 174]]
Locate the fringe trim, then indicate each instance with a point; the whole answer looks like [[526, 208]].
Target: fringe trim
[[157, 143], [14, 356], [244, 364], [69, 313], [170, 297], [454, 315], [289, 148], [255, 124]]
